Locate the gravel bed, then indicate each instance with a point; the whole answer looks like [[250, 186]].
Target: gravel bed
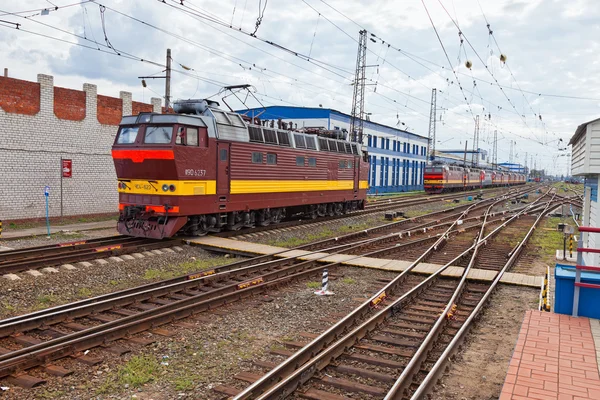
[[214, 348], [35, 293], [60, 237], [307, 234], [479, 369]]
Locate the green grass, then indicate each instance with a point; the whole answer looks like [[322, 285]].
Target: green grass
[[313, 285], [84, 292], [319, 235], [138, 371], [349, 281], [184, 383], [548, 239]]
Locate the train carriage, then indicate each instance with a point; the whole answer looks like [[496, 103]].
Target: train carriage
[[441, 178], [214, 170]]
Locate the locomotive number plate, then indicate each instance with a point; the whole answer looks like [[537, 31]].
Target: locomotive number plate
[[195, 172]]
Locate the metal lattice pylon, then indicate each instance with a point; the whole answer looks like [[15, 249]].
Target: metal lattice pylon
[[432, 118], [358, 98]]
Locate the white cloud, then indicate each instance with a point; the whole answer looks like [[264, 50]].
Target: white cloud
[[551, 47]]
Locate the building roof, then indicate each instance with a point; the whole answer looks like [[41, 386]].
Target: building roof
[[581, 129], [276, 112]]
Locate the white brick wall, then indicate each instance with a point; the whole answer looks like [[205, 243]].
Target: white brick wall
[[30, 151]]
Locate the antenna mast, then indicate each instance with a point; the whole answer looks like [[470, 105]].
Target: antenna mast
[[431, 147], [358, 98]]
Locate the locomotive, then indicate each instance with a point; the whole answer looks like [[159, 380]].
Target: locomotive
[[444, 178], [203, 169]]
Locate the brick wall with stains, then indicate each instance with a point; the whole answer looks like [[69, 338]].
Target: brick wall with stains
[[39, 125]]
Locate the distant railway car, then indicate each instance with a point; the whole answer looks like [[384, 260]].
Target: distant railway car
[[449, 178], [213, 170]]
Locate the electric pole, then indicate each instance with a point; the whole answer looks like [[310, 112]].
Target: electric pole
[[358, 98], [475, 143], [168, 82], [167, 79], [431, 147], [495, 159]]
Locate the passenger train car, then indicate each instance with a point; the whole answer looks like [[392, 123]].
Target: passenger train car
[[449, 178], [206, 170]]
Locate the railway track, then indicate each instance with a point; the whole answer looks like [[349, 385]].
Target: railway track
[[378, 206], [398, 348], [20, 260], [40, 339]]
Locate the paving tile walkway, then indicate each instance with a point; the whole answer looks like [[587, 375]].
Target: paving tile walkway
[[555, 358], [41, 230]]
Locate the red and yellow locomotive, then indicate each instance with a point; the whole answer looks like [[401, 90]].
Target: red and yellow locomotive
[[206, 170], [449, 178]]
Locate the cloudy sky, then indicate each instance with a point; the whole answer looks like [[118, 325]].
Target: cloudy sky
[[304, 54]]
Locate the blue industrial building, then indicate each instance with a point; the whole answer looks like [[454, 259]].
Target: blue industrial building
[[397, 157]]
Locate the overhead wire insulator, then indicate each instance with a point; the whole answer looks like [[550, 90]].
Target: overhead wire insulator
[[468, 64]]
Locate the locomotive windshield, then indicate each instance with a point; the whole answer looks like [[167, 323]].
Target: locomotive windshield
[[127, 135], [158, 134]]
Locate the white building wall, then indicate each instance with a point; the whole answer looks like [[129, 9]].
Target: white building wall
[[31, 147]]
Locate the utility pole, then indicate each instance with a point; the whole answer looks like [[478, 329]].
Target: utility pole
[[495, 159], [358, 97], [431, 147], [167, 79], [168, 82], [465, 158], [510, 154], [475, 143]]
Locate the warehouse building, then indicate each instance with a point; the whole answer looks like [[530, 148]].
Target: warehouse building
[[397, 157]]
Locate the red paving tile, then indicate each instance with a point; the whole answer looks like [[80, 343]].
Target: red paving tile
[[554, 358]]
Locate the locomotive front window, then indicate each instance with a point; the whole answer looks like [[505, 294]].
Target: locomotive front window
[[127, 135], [158, 134]]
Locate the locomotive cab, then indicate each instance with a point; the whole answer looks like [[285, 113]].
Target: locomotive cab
[[161, 160]]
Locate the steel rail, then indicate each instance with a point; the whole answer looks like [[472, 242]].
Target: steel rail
[[301, 357], [305, 370], [265, 260], [436, 370], [57, 348]]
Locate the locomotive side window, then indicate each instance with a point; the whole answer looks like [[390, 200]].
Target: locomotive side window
[[127, 135], [350, 164], [312, 162], [223, 154], [300, 142], [257, 158], [271, 158], [180, 135], [310, 143], [191, 138], [284, 139], [270, 136], [300, 161], [158, 134], [323, 144], [255, 134], [342, 164]]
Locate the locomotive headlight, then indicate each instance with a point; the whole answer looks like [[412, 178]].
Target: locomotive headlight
[[172, 188], [165, 187]]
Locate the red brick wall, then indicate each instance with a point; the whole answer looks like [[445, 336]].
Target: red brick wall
[[19, 97], [23, 97], [109, 110], [138, 107], [69, 104]]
